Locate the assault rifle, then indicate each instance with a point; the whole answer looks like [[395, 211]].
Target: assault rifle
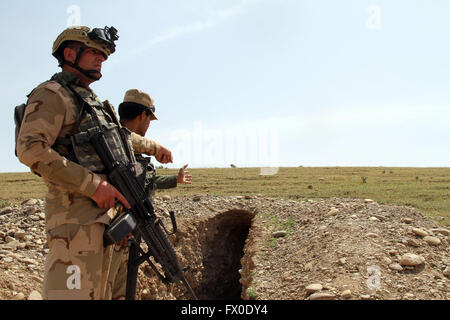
[[141, 220]]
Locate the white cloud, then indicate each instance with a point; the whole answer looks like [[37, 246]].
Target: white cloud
[[178, 31], [363, 117], [236, 10], [174, 32]]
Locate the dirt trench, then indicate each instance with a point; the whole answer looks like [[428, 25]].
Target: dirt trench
[[213, 251]]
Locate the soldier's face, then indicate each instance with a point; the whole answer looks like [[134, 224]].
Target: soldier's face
[[91, 59], [144, 124]]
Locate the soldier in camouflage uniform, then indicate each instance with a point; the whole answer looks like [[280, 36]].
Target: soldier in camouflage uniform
[[79, 201], [136, 112]]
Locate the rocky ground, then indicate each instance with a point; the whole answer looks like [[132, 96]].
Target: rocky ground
[[253, 247]]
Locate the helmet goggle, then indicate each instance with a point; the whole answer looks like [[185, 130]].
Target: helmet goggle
[[106, 35]]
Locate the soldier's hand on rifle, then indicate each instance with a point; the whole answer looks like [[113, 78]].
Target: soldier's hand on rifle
[[164, 155], [184, 176], [105, 196]]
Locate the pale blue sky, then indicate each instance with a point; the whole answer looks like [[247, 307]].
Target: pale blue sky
[[258, 82]]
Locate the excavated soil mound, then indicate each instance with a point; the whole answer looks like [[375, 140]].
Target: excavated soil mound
[[255, 247]]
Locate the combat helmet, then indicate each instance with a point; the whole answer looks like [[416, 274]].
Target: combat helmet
[[101, 39]]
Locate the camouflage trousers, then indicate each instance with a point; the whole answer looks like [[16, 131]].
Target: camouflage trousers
[[78, 267]]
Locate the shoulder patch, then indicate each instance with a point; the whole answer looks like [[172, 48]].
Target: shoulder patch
[[53, 86]]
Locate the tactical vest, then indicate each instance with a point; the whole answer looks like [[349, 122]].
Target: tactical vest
[[92, 113]]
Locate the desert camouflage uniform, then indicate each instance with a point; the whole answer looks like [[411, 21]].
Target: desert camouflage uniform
[[77, 266]]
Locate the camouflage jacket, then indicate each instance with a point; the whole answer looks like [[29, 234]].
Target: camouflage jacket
[[51, 114]]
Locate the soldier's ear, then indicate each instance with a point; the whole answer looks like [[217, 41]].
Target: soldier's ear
[[143, 115], [70, 55]]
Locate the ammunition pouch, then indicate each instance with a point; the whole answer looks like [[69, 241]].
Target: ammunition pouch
[[85, 152]]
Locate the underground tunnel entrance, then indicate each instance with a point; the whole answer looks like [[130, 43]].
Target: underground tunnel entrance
[[212, 249], [222, 241]]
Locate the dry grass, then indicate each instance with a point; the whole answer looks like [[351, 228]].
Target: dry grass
[[427, 189]]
